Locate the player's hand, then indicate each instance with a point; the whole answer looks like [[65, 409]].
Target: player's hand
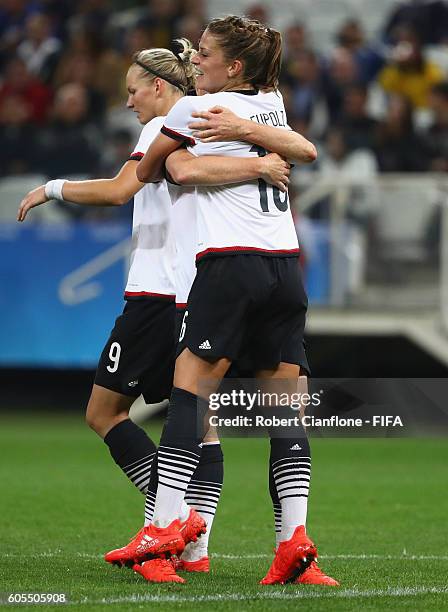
[[33, 198], [275, 171], [217, 124]]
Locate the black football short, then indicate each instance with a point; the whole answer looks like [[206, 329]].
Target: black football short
[[248, 308], [293, 351], [139, 355]]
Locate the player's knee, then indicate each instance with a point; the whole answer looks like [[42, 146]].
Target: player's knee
[[92, 419], [97, 419], [103, 423]]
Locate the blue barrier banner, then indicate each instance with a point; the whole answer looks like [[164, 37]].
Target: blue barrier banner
[[61, 290]]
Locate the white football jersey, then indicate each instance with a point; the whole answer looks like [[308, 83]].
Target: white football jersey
[[184, 224], [250, 217], [151, 270]]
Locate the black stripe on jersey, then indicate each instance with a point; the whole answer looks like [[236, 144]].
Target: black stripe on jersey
[[245, 92], [137, 156], [176, 136]]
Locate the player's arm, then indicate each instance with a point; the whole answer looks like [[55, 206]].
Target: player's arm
[[100, 192], [151, 167], [186, 169], [221, 124]]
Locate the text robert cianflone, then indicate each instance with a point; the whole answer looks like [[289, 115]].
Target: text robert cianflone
[[307, 421]]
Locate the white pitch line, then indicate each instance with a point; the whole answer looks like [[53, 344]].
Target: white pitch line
[[59, 553], [347, 556], [275, 595]]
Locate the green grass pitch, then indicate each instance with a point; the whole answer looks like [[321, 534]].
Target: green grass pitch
[[378, 512]]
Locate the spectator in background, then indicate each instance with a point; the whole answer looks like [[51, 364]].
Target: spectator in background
[[295, 50], [18, 152], [13, 14], [398, 146], [369, 58], [83, 62], [40, 50], [337, 160], [409, 73], [436, 135], [259, 12], [296, 40], [191, 27], [160, 19], [91, 16], [429, 18], [134, 39], [118, 148], [196, 9], [121, 142], [340, 71], [358, 168], [70, 145], [358, 127], [34, 95], [302, 75]]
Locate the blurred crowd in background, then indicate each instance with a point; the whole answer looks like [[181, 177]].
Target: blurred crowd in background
[[372, 104]]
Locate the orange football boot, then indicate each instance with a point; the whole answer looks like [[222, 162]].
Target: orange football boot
[[201, 565], [150, 541], [193, 527], [314, 575], [158, 570], [291, 559]]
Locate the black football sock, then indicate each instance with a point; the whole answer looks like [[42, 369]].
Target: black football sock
[[203, 495], [133, 451], [178, 454], [276, 505], [290, 461]]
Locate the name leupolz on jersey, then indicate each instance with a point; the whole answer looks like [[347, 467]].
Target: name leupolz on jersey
[[275, 119]]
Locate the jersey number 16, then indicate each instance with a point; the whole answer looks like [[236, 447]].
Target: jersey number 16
[[281, 204]]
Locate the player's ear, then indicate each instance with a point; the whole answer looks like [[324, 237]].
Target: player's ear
[[158, 86], [235, 69]]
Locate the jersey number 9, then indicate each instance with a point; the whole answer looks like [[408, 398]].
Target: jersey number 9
[[114, 356]]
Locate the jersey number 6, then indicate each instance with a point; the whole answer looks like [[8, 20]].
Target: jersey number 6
[[282, 205]]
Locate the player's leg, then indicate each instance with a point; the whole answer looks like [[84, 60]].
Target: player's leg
[[210, 338], [129, 445], [179, 451], [203, 494], [173, 523], [290, 457], [290, 464], [289, 481], [302, 387], [137, 359]]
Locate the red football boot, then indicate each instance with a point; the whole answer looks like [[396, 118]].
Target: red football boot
[[158, 570], [314, 575], [150, 541], [193, 527], [201, 565], [291, 559]]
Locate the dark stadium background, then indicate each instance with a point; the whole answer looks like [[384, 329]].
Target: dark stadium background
[[62, 114]]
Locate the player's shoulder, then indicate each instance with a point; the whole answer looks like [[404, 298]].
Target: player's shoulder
[[152, 128], [149, 132], [184, 104]]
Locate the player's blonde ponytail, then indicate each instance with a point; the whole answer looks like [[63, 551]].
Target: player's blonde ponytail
[[175, 67]]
